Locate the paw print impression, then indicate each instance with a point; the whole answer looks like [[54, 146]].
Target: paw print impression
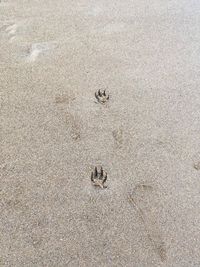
[[99, 178], [101, 96]]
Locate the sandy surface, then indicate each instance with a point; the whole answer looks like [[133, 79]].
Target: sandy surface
[[54, 56]]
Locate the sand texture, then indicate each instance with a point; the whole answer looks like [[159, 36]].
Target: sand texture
[[54, 56]]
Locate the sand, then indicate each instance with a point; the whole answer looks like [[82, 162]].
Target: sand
[[54, 56]]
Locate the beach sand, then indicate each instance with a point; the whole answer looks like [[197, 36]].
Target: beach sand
[[54, 56]]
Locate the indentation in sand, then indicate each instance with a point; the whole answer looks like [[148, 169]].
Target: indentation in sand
[[10, 30], [118, 137], [74, 126], [14, 30], [95, 11], [143, 198], [197, 166], [196, 161], [37, 49], [64, 98], [4, 3], [111, 28]]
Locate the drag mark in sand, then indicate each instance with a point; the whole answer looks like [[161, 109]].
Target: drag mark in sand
[[118, 137], [140, 201], [75, 130]]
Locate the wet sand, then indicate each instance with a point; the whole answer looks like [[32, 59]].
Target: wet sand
[[54, 56]]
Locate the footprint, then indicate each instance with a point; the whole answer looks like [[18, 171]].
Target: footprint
[[102, 96], [98, 178], [142, 199], [37, 49]]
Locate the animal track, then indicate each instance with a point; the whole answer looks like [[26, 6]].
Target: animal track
[[99, 178], [101, 96]]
